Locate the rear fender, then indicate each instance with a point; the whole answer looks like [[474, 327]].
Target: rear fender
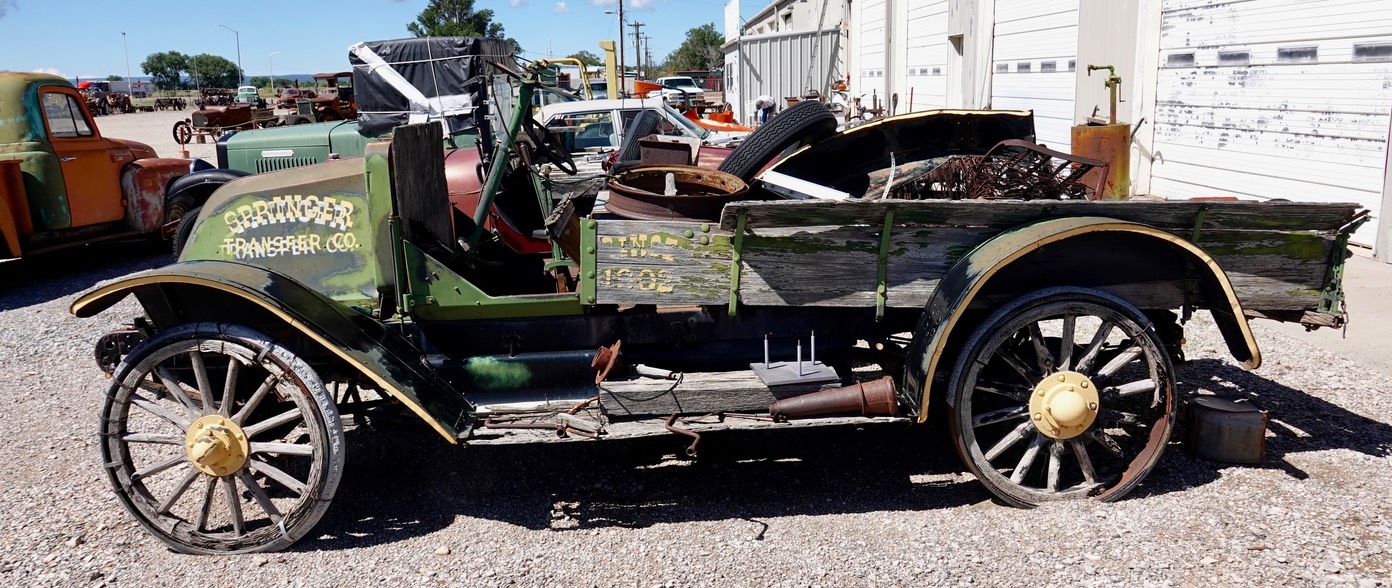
[[144, 183], [991, 264], [265, 300]]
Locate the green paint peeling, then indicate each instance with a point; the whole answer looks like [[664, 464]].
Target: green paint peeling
[[490, 373], [1296, 246]]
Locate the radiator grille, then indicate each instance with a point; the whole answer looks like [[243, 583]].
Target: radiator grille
[[278, 163]]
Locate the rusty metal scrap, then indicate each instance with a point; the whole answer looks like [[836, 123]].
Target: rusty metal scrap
[[670, 424], [871, 399], [1011, 170]]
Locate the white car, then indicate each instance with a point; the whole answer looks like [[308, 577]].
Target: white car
[[594, 128]]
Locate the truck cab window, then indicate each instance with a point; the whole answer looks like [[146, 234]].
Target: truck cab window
[[65, 116]]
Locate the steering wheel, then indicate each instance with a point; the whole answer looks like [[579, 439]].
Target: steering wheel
[[539, 137]]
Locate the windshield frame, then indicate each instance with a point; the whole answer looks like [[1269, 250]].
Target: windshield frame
[[701, 132]]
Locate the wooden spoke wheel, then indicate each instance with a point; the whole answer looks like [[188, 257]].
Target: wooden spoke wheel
[[219, 441], [183, 132], [1064, 393]]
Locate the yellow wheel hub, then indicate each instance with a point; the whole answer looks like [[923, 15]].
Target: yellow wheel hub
[[1063, 405], [216, 445]]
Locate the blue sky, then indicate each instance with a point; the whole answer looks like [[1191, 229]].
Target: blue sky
[[83, 37]]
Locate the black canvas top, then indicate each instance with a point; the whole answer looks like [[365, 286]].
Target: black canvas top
[[430, 78]]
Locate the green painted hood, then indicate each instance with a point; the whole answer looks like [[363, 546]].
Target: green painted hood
[[310, 135], [276, 148]]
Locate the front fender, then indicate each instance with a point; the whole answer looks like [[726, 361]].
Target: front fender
[[966, 279], [233, 292], [144, 183], [202, 183]]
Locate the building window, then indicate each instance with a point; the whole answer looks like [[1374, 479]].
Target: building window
[[1002, 68], [1022, 67], [1234, 58], [937, 71], [1373, 52], [1048, 67], [1072, 65], [1180, 60], [1297, 54]]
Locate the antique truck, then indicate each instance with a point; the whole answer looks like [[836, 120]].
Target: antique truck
[[63, 184], [1041, 332]]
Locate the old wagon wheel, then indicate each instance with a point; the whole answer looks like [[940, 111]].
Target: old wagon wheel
[[1064, 393], [183, 132], [219, 441]]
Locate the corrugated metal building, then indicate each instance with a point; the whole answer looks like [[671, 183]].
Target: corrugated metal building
[[1257, 99], [786, 49]]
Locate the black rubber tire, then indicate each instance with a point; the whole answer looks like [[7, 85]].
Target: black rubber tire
[[195, 356], [185, 230], [805, 122], [642, 125]]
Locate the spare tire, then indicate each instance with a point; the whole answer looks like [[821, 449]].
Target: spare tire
[[805, 122], [185, 230], [642, 125]]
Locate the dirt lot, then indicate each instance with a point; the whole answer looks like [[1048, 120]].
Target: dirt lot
[[157, 130]]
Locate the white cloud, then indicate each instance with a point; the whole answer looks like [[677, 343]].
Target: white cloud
[[517, 2], [49, 70], [560, 8], [629, 5]]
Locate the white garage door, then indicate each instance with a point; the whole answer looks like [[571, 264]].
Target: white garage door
[[1035, 60], [1274, 99], [870, 19], [926, 59]]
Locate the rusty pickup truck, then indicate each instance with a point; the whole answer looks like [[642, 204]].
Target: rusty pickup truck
[[64, 184]]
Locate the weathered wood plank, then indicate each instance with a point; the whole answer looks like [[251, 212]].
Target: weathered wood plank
[[653, 427], [673, 263], [836, 266], [1179, 214], [740, 391], [418, 184]]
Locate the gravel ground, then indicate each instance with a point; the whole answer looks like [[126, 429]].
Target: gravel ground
[[841, 507], [157, 130]]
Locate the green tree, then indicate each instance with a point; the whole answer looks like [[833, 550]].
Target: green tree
[[166, 69], [114, 78], [700, 50], [212, 71], [588, 58], [455, 18], [259, 81]]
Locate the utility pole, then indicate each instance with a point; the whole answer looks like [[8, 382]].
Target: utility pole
[[240, 72], [647, 52], [130, 90], [271, 60], [620, 92], [638, 45]]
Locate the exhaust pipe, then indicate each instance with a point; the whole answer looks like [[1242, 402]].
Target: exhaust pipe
[[875, 398]]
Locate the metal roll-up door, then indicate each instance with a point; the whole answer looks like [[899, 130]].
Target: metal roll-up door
[[1035, 62], [1274, 99], [926, 55], [871, 31]]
